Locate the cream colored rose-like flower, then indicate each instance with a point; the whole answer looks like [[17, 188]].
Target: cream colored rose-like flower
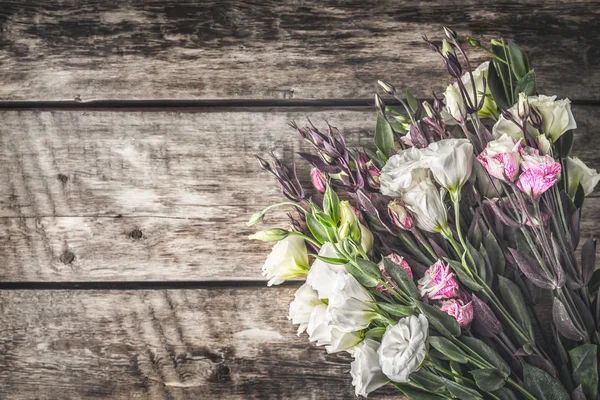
[[451, 162], [579, 173], [305, 301], [322, 275], [288, 259], [455, 106], [403, 171], [426, 203], [343, 341], [403, 347], [365, 369], [351, 307]]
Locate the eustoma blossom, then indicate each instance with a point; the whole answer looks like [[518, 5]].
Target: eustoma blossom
[[539, 173], [460, 309], [438, 282], [502, 158]]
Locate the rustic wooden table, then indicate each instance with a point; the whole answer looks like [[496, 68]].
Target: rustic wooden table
[[127, 135]]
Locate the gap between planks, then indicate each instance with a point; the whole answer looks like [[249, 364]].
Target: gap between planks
[[142, 285]]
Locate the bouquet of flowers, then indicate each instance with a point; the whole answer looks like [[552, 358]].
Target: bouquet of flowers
[[431, 250]]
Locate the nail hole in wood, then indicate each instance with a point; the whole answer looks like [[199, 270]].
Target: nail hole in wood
[[223, 373], [63, 178], [67, 257], [135, 234]]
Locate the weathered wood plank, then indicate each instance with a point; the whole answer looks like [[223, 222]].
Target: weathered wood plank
[[113, 196], [274, 49], [186, 344]]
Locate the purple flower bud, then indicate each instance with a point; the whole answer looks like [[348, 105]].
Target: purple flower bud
[[400, 215], [318, 179], [387, 87], [450, 33]]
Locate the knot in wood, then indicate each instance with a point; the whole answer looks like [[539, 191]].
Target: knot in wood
[[135, 234], [67, 257]]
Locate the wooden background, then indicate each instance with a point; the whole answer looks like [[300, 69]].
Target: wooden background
[[127, 135]]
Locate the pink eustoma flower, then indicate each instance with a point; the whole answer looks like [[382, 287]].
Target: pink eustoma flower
[[400, 215], [539, 173], [460, 309], [398, 260], [438, 282], [501, 158], [318, 179]]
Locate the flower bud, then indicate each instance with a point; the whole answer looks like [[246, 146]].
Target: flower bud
[[379, 104], [349, 223], [387, 87], [270, 235], [256, 218], [400, 215], [473, 42], [318, 179], [447, 49], [523, 106], [450, 33]]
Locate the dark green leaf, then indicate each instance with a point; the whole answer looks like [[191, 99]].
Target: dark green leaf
[[495, 253], [457, 369], [578, 394], [579, 197], [563, 321], [513, 299], [365, 272], [384, 136], [484, 270], [461, 391], [402, 279], [585, 368], [489, 379], [496, 86], [412, 102], [474, 234], [376, 332], [518, 60], [485, 351], [564, 144], [415, 394], [488, 266], [428, 380], [526, 85], [463, 277], [443, 323], [449, 349], [332, 260], [397, 309], [542, 385], [588, 259], [317, 230], [505, 394]]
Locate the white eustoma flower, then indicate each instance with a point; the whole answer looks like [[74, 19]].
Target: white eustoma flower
[[579, 173], [451, 162], [343, 341], [403, 347], [322, 275], [403, 171], [318, 327], [289, 258], [351, 307], [454, 102], [305, 301], [365, 369], [557, 118], [426, 202]]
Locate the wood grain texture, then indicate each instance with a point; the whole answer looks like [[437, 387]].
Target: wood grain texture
[[174, 344], [267, 49], [146, 196]]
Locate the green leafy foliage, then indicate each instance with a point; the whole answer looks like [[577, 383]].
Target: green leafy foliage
[[384, 136], [443, 323], [366, 272], [585, 368], [542, 385], [513, 299], [489, 379], [397, 310], [486, 352], [401, 277]]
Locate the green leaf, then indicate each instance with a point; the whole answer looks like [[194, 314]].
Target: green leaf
[[496, 86], [332, 260], [415, 394], [579, 197], [365, 272], [449, 349], [428, 380], [513, 299], [526, 85], [484, 270], [457, 369], [542, 385], [462, 275], [495, 253], [505, 394], [443, 323], [401, 277], [519, 62], [585, 368], [331, 204], [486, 352], [384, 136], [564, 144], [317, 230], [376, 333], [397, 309], [489, 379], [412, 102], [461, 391]]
